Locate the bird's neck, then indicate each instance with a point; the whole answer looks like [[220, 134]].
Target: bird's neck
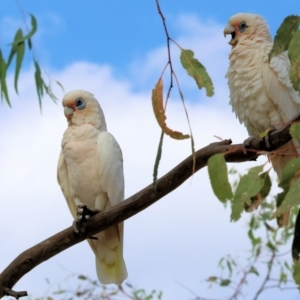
[[248, 51], [95, 121]]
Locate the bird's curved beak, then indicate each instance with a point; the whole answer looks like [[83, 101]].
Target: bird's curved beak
[[230, 30], [68, 111]]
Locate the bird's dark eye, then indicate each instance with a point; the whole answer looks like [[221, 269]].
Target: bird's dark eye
[[243, 26], [80, 103]]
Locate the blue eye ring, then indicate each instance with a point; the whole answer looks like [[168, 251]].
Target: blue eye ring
[[243, 26], [80, 103]]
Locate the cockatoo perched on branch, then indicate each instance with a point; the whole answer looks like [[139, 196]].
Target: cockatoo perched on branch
[[90, 172], [261, 93]]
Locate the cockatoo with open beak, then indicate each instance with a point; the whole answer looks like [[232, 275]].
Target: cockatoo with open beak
[[90, 172], [261, 93]]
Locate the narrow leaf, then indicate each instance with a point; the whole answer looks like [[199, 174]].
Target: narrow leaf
[[218, 175], [253, 270], [291, 199], [158, 108], [248, 186], [60, 85], [158, 157], [59, 292], [49, 91], [294, 55], [33, 29], [38, 83], [265, 190], [284, 35], [3, 68], [225, 282], [195, 69], [254, 241], [20, 55], [212, 279], [13, 51], [296, 239], [295, 128], [262, 194], [296, 273], [271, 246], [289, 172], [279, 199], [29, 44]]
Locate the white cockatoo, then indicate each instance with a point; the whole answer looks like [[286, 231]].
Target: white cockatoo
[[90, 172], [261, 93]]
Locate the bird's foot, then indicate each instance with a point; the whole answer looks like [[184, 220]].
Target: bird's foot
[[247, 143], [84, 213], [266, 136]]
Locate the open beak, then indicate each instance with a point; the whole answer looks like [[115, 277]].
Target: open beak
[[230, 30], [68, 111]]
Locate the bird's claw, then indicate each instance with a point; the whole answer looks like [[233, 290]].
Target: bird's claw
[[76, 224], [247, 143], [267, 138], [83, 213]]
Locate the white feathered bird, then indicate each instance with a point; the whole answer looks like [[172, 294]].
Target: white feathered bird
[[261, 93], [90, 172]]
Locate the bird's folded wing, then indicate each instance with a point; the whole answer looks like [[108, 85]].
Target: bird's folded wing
[[63, 181], [279, 87]]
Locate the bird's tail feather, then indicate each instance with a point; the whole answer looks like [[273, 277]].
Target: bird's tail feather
[[108, 249], [112, 273]]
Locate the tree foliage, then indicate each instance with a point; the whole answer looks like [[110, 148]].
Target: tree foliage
[[21, 44]]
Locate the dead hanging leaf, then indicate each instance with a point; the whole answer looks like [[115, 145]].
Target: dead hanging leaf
[[158, 108]]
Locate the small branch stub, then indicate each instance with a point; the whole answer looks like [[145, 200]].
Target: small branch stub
[[14, 294]]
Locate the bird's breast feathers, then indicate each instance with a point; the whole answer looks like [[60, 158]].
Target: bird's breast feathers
[[80, 149], [248, 94]]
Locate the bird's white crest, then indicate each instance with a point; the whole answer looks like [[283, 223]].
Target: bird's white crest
[[90, 172]]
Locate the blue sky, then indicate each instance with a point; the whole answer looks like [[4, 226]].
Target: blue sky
[[116, 50], [117, 32]]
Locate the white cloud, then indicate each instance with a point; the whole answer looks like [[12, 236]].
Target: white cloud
[[181, 237]]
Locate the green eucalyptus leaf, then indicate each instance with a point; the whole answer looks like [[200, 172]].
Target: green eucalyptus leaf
[[195, 69], [218, 175], [294, 55], [248, 186], [284, 35]]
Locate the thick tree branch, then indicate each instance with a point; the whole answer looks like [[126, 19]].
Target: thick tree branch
[[59, 242]]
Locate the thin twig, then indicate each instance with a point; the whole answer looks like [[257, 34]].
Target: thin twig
[[17, 295], [169, 51], [267, 277]]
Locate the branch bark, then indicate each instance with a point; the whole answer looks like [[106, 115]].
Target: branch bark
[[61, 241]]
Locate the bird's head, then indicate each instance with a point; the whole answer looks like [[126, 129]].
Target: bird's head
[[244, 26], [80, 107]]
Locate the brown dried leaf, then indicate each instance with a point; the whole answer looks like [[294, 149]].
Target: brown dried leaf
[[158, 108]]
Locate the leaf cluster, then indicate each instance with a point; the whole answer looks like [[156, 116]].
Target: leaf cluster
[[21, 43], [266, 263], [90, 289]]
